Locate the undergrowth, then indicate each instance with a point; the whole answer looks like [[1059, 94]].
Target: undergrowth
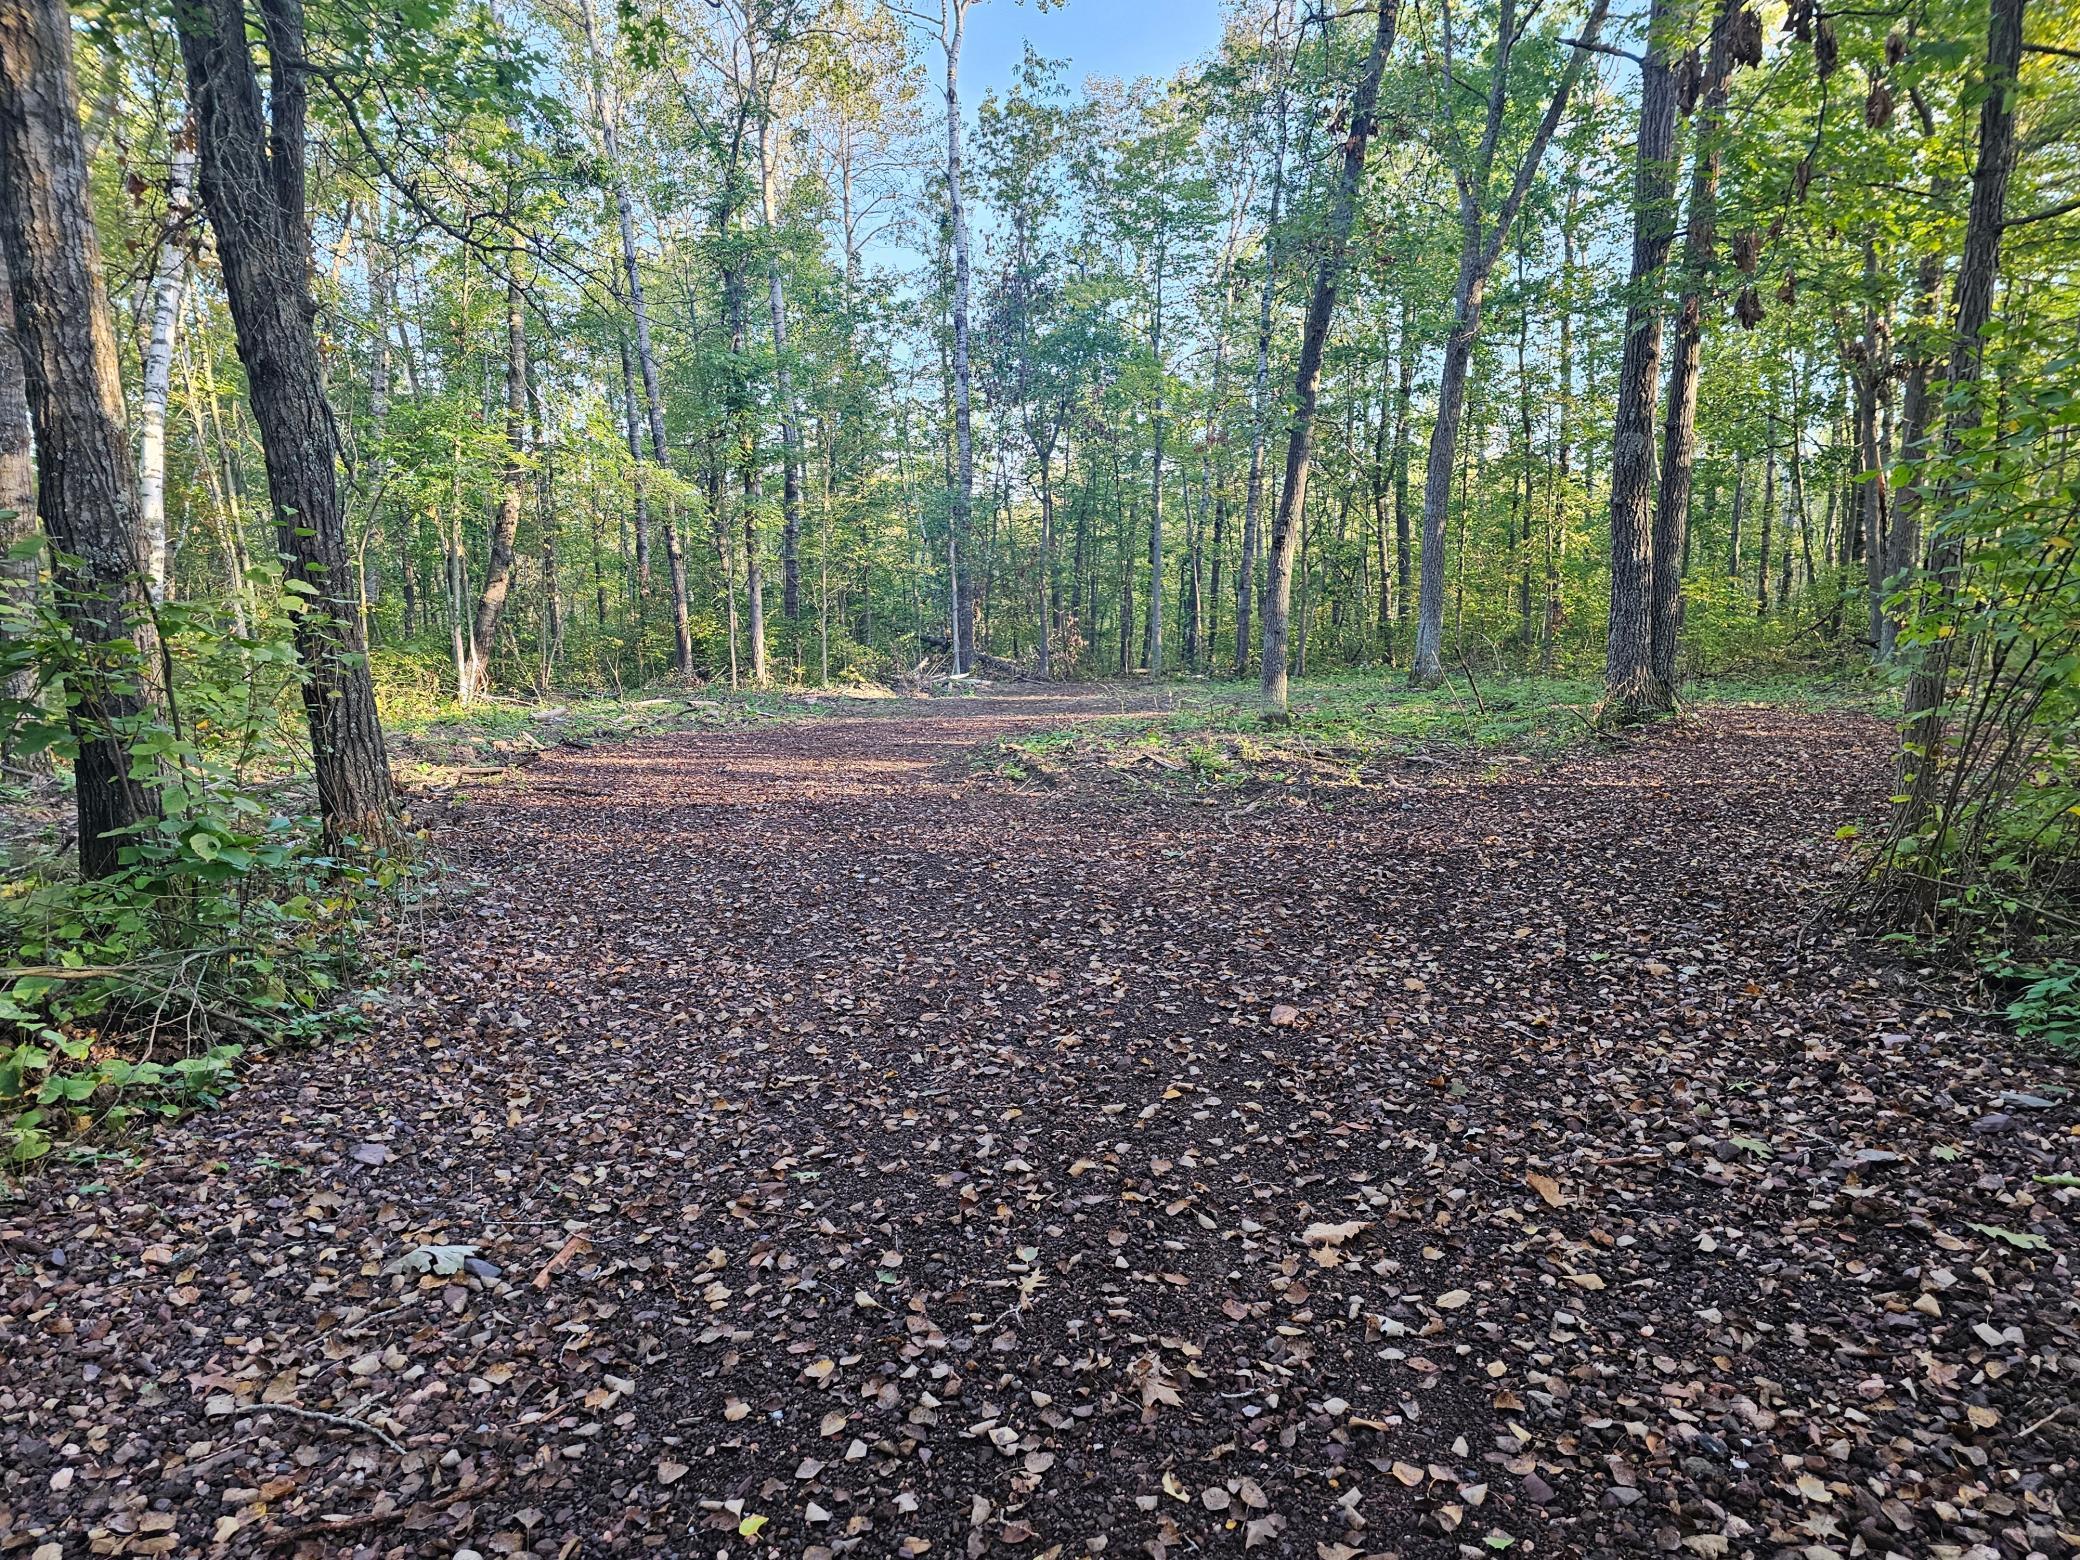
[[1337, 726], [231, 922]]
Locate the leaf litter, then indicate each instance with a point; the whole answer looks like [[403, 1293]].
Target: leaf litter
[[796, 1147]]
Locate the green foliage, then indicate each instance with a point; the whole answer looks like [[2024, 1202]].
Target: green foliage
[[1986, 846], [2048, 1008], [230, 914]]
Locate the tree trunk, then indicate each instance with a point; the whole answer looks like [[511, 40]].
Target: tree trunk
[[498, 572], [1153, 644], [1307, 378], [18, 575], [252, 174], [1260, 391], [1630, 684], [1404, 551], [1043, 648], [1769, 504], [1972, 307], [639, 306], [1740, 505], [1917, 413], [169, 280], [1872, 368], [754, 576], [783, 375], [963, 494], [1671, 539], [56, 335], [1476, 260]]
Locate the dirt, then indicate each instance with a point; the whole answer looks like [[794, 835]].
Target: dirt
[[839, 1152]]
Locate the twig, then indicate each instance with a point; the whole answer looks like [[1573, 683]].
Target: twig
[[402, 1513], [1467, 668], [575, 1246], [2041, 1423], [341, 1421]]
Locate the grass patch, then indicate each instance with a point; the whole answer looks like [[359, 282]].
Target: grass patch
[[434, 744], [1339, 727]]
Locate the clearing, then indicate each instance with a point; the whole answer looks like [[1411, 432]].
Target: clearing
[[839, 1150]]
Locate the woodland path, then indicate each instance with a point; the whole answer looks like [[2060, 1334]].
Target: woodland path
[[1483, 1162]]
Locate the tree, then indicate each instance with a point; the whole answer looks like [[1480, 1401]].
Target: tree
[[1482, 236], [18, 571], [253, 187], [1260, 394], [169, 283], [1307, 378], [498, 575], [1971, 309], [1670, 543], [1630, 683], [86, 494]]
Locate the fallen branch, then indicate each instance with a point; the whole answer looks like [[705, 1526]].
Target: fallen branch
[[423, 1508], [338, 1421], [577, 1245]]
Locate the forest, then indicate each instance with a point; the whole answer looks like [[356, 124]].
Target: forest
[[774, 776]]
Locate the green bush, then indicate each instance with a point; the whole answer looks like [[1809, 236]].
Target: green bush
[[230, 917]]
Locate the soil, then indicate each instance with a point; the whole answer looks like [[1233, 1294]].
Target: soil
[[801, 1143]]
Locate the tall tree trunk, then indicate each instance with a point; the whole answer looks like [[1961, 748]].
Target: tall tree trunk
[[1671, 539], [1477, 252], [754, 576], [604, 110], [1404, 550], [498, 572], [1873, 366], [675, 564], [639, 485], [1740, 505], [1630, 685], [56, 335], [1978, 273], [169, 281], [18, 574], [1769, 504], [1260, 390], [1043, 647], [1153, 643], [252, 174], [783, 375], [1917, 414], [963, 495], [1307, 377]]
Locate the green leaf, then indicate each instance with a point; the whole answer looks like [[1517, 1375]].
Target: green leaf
[[2017, 1238]]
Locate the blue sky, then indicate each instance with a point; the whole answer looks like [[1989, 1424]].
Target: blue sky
[[1124, 38]]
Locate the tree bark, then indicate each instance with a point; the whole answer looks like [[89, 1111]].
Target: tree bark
[[963, 494], [1978, 273], [638, 303], [505, 525], [1260, 390], [783, 375], [169, 281], [18, 575], [1477, 252], [252, 175], [1307, 377], [1671, 539], [1153, 641], [1404, 550], [1630, 684], [57, 337]]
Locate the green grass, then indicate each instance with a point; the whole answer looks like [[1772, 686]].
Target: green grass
[[1217, 734], [429, 736]]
